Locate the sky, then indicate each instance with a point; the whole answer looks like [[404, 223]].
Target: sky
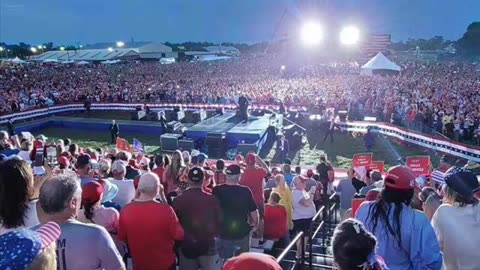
[[71, 22]]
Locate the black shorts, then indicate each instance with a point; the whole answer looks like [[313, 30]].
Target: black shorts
[[302, 225]]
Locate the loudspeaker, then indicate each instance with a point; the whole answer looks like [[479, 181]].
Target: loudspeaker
[[216, 144], [244, 148], [173, 115], [199, 116], [169, 141], [186, 145], [138, 115]]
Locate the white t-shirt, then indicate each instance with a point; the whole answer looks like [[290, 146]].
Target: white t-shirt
[[300, 211], [30, 220], [458, 233], [25, 155], [126, 191]]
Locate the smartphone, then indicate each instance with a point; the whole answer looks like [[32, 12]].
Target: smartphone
[[39, 157], [51, 156]]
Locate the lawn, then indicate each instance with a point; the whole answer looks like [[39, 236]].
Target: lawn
[[339, 152]]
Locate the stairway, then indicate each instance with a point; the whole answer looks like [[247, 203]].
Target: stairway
[[321, 234]]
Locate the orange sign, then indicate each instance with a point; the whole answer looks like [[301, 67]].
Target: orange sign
[[362, 160], [377, 166], [123, 144], [356, 202], [420, 165]]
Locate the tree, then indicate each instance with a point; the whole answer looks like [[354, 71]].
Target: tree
[[470, 42]]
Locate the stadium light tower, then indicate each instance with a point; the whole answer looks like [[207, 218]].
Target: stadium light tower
[[311, 34], [350, 35], [120, 44]]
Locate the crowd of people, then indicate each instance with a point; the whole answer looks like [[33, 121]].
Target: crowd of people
[[99, 208], [433, 97]]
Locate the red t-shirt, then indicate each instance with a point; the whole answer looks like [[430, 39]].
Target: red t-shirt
[[275, 222], [150, 230], [253, 178]]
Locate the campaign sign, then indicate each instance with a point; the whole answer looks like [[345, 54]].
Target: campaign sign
[[420, 165], [362, 160], [377, 166]]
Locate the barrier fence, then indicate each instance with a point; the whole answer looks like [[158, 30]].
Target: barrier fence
[[438, 144]]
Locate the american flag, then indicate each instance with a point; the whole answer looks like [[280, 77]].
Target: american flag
[[376, 43], [438, 176], [138, 146]]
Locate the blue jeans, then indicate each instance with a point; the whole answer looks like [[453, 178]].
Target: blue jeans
[[228, 248]]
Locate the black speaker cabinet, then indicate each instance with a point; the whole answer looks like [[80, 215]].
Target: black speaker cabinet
[[169, 141], [244, 148], [186, 145]]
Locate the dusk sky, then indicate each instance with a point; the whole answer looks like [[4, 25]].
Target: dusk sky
[[90, 21]]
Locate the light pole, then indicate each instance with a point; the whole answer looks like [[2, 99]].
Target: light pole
[[1, 50]]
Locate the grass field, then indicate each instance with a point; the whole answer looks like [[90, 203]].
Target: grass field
[[339, 152]]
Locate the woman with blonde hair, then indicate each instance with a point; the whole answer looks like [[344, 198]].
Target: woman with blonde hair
[[175, 175], [286, 197]]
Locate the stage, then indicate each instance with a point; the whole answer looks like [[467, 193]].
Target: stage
[[225, 132]]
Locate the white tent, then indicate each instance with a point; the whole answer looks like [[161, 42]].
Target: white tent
[[83, 63], [68, 62], [17, 60], [51, 60], [379, 63]]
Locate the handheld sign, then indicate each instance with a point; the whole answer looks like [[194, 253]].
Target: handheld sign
[[377, 166], [362, 160], [420, 165]]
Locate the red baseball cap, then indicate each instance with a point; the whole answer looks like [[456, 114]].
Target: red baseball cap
[[64, 161], [400, 178], [92, 191], [309, 173], [251, 159], [252, 261]]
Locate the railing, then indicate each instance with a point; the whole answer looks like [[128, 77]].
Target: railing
[[313, 234], [329, 208], [298, 261]]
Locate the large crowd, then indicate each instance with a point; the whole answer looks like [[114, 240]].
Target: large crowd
[[440, 97], [110, 209]]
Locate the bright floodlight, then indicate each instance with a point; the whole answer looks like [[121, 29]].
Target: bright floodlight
[[33, 49], [282, 67], [349, 35], [120, 44], [40, 46], [62, 48], [1, 49], [311, 34], [110, 49]]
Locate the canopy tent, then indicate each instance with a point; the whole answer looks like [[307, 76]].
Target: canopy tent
[[380, 64], [17, 60], [68, 62], [51, 60], [83, 63]]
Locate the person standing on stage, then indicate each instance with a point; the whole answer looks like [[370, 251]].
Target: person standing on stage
[[114, 131], [330, 130], [243, 107]]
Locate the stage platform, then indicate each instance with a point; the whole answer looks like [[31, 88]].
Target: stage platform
[[251, 132], [214, 125], [132, 126]]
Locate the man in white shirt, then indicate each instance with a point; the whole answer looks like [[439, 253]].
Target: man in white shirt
[[126, 190]]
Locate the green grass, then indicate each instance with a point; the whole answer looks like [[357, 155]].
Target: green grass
[[97, 139], [339, 153]]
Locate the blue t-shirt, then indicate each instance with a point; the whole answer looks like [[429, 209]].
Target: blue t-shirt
[[420, 248], [289, 179], [346, 192]]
